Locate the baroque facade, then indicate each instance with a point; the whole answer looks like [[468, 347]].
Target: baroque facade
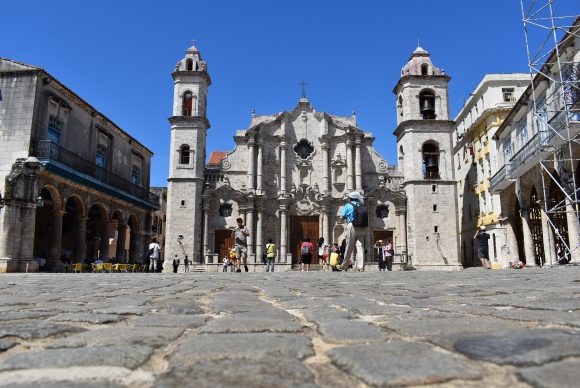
[[75, 186], [290, 172]]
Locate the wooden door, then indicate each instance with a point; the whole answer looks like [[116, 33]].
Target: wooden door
[[224, 241], [300, 228], [381, 235]]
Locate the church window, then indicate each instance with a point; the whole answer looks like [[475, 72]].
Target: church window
[[304, 149], [136, 175], [400, 105], [433, 188], [427, 104], [430, 161], [382, 211], [189, 64], [101, 159], [182, 203], [184, 154], [225, 210], [434, 207], [424, 69], [436, 229], [187, 104]]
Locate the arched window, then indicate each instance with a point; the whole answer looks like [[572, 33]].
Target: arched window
[[184, 152], [187, 104], [425, 69], [400, 105], [189, 64], [430, 160], [427, 104]]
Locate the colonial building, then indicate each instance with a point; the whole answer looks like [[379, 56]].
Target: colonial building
[[159, 218], [75, 186], [289, 175], [539, 161], [475, 157]]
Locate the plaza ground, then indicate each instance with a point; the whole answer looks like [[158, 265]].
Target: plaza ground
[[470, 328]]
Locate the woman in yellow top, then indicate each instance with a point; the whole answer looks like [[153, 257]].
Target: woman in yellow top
[[234, 259], [270, 255], [335, 258]]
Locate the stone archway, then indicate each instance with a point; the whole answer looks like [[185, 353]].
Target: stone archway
[[97, 237], [119, 247], [73, 234], [48, 228], [536, 227], [133, 234], [557, 215]]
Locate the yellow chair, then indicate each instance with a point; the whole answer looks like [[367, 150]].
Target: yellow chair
[[108, 267], [134, 268], [123, 267], [78, 267]]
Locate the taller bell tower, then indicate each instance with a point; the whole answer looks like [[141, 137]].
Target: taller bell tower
[[424, 147], [189, 126]]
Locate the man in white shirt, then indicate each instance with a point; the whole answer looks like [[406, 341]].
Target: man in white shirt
[[154, 250]]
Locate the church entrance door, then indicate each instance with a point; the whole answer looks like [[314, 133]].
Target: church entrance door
[[381, 235], [300, 228], [224, 241]]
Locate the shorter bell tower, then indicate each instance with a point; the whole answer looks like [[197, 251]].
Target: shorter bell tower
[[189, 126], [425, 157]]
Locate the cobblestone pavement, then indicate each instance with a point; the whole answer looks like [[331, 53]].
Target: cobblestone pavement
[[471, 328]]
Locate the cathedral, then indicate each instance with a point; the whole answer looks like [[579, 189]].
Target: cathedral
[[289, 175]]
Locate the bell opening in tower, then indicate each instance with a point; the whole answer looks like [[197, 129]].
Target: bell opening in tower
[[427, 104], [430, 161]]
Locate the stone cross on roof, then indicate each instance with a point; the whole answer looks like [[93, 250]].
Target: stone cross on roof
[[303, 86]]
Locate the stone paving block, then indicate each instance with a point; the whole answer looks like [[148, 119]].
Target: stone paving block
[[35, 329], [401, 363], [251, 323], [20, 315], [271, 372], [169, 320], [561, 374], [236, 346], [521, 347], [448, 326], [125, 356], [6, 344], [345, 330], [86, 317], [151, 336]]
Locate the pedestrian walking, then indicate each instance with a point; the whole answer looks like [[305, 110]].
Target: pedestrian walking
[[154, 250], [306, 253], [322, 253], [355, 216], [389, 254], [482, 238], [270, 255], [175, 264], [380, 252], [241, 235], [186, 264]]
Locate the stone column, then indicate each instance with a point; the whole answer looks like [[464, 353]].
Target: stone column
[[259, 233], [251, 161], [55, 238], [207, 258], [260, 173], [121, 241], [325, 172], [402, 218], [105, 237], [283, 233], [81, 240], [358, 165], [548, 236], [326, 226], [349, 167], [528, 242], [250, 225], [283, 167], [573, 237]]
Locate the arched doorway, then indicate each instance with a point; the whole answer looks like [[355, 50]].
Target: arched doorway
[[44, 228], [557, 214], [536, 227], [96, 233], [519, 232], [132, 243], [72, 240], [118, 248]]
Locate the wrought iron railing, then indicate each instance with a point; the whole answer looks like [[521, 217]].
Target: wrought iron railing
[[500, 176], [47, 150], [526, 151]]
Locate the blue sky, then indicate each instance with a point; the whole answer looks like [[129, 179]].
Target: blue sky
[[119, 56]]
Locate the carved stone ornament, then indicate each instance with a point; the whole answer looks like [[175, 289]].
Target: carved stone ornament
[[383, 166], [226, 165], [306, 198]]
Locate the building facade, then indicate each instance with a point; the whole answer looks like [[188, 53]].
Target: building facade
[[538, 157], [475, 157], [75, 186], [290, 173], [159, 218]]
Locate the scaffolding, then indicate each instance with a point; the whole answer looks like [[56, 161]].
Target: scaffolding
[[555, 99]]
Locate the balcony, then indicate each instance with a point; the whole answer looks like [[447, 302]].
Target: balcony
[[527, 156], [69, 164], [500, 181]]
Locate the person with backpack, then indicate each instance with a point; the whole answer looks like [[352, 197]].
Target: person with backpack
[[154, 250], [306, 253], [355, 216], [270, 255]]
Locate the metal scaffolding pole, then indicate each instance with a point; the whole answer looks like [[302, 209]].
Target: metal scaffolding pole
[[555, 98]]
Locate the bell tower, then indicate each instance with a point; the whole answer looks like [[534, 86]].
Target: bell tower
[[189, 126], [424, 148]]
